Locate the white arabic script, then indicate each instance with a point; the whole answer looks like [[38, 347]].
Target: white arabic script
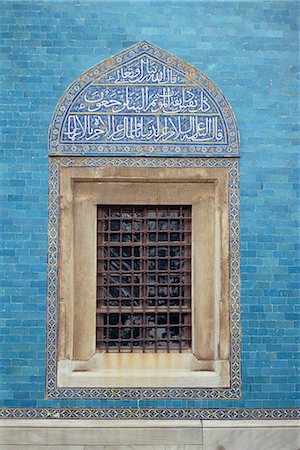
[[142, 99], [145, 70], [88, 127]]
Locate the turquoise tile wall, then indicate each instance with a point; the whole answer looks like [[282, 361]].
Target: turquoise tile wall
[[250, 50]]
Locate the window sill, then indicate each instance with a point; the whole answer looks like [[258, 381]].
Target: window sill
[[146, 370]]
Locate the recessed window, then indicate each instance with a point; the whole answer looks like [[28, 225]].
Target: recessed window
[[143, 278]]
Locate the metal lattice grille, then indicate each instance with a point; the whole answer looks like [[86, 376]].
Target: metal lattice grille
[[143, 278]]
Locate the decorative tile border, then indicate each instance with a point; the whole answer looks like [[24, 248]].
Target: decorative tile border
[[149, 414], [53, 392], [144, 102]]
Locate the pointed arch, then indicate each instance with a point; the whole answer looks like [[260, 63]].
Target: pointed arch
[[143, 101]]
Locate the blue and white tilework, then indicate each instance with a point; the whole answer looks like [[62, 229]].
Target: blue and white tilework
[[143, 101]]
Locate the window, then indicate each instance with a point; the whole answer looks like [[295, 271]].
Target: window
[[144, 277]]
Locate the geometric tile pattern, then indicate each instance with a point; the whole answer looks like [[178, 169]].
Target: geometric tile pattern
[[149, 414], [53, 392]]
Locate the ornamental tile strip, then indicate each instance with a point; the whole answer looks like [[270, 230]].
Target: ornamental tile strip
[[144, 102], [150, 414], [54, 392]]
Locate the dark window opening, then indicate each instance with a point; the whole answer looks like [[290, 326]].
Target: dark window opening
[[143, 278]]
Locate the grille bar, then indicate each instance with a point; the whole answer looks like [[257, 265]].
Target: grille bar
[[143, 278]]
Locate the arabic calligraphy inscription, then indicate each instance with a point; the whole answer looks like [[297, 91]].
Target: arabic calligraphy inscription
[[144, 101]]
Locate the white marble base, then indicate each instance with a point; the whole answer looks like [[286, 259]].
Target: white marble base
[[149, 435], [251, 435]]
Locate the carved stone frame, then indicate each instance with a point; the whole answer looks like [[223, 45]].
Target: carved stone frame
[[206, 190]]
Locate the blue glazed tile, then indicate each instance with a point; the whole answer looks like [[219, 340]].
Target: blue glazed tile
[[248, 49]]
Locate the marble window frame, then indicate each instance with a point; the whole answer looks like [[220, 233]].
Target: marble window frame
[[82, 189]]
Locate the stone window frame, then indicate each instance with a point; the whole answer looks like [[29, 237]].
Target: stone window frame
[[56, 164], [81, 190]]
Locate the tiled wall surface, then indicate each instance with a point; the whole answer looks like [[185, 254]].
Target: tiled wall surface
[[249, 49]]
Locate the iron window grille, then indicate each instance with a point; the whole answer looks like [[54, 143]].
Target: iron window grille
[[143, 279]]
